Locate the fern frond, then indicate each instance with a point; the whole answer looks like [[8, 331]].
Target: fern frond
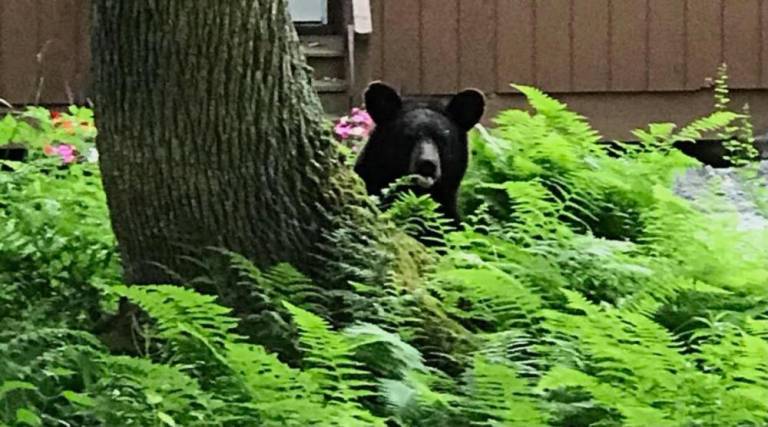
[[329, 359], [278, 394], [158, 392], [495, 395], [176, 309], [558, 116], [492, 294], [383, 351], [742, 361], [712, 123]]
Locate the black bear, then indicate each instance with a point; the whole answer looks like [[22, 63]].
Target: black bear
[[426, 139]]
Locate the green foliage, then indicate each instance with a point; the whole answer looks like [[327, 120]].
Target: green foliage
[[582, 291], [56, 243], [738, 138], [37, 127], [497, 396], [632, 366], [417, 216]]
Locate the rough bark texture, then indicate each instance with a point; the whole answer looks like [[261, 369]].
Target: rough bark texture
[[210, 133]]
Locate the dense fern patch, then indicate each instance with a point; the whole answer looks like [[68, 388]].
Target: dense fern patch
[[582, 292]]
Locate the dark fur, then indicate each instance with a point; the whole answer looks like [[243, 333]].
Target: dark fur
[[407, 131]]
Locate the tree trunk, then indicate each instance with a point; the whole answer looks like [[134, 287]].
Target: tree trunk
[[210, 134]]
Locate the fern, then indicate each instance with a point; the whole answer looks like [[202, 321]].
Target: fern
[[417, 216], [330, 362], [676, 230], [699, 128], [558, 118], [496, 396], [140, 392], [637, 370], [489, 294], [581, 291], [37, 366], [183, 316], [742, 360], [384, 353], [273, 392]]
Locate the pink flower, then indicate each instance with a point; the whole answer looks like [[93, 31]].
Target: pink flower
[[357, 132], [67, 153], [357, 125], [361, 117], [341, 130]]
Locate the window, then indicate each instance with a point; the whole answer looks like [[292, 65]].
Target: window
[[309, 11]]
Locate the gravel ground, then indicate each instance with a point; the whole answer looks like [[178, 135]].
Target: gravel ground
[[742, 188]]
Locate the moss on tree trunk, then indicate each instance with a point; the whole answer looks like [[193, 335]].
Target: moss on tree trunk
[[210, 133]]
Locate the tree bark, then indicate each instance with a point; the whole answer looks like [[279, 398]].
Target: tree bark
[[210, 134]]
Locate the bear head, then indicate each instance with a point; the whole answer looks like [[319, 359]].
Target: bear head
[[420, 138]]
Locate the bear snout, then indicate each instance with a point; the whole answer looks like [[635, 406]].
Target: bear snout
[[425, 163], [425, 167]]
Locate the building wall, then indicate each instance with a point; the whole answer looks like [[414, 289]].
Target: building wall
[[568, 46], [620, 62], [44, 51], [623, 60]]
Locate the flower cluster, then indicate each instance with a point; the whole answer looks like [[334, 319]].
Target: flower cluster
[[353, 128], [70, 126], [67, 152]]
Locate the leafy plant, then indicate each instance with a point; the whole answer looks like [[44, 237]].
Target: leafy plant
[[738, 138], [581, 291]]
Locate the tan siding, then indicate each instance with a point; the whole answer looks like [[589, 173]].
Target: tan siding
[[553, 45], [704, 38], [590, 45], [440, 46], [59, 23], [741, 22], [666, 45], [629, 45], [477, 43], [44, 51], [377, 39], [515, 45], [3, 90], [82, 80], [764, 43], [566, 46], [19, 35], [401, 61]]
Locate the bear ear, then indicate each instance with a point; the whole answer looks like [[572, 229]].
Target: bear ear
[[466, 108], [382, 102]]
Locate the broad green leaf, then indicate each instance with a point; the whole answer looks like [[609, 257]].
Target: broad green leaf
[[9, 386], [78, 398], [26, 416], [166, 419]]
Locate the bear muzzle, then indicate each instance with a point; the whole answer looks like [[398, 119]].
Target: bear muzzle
[[425, 164]]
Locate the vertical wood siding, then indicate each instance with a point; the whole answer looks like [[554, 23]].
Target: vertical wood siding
[[570, 46], [741, 39], [440, 46], [591, 68], [44, 50], [402, 61]]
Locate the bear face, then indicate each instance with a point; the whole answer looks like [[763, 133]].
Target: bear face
[[423, 139]]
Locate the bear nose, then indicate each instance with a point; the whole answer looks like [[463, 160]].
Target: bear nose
[[426, 168]]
